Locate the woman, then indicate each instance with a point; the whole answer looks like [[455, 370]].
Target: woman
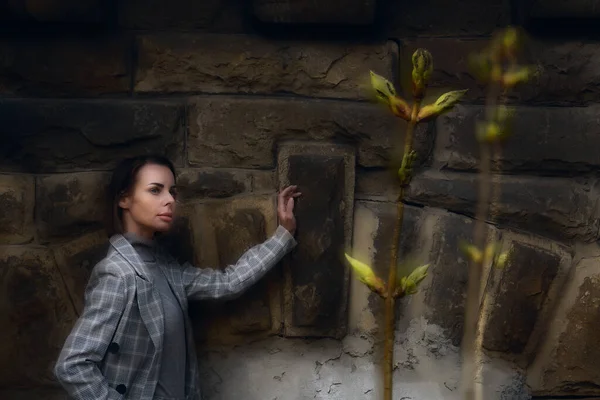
[[133, 339]]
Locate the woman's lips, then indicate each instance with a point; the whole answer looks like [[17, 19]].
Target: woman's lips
[[167, 217]]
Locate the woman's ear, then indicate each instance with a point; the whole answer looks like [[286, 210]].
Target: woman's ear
[[124, 202]]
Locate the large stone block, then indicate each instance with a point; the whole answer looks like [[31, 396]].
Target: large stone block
[[410, 244], [337, 12], [222, 231], [567, 72], [68, 205], [545, 139], [374, 223], [36, 316], [445, 292], [207, 15], [443, 18], [45, 136], [428, 236], [551, 9], [552, 207], [316, 287], [217, 183], [53, 67], [76, 259], [241, 133], [17, 195], [518, 294], [247, 64], [567, 362]]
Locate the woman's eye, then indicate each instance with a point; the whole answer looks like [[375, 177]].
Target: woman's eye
[[154, 190]]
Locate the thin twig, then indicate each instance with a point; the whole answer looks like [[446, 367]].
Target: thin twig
[[390, 301], [476, 266]]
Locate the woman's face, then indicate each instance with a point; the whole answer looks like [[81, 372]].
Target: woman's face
[[150, 207]]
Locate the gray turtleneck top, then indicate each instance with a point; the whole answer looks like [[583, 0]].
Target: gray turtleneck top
[[171, 380]]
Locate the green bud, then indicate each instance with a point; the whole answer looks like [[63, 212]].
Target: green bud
[[422, 69], [491, 132]]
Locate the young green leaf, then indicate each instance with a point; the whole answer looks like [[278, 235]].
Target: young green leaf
[[471, 251], [384, 90], [443, 104], [514, 76], [366, 275], [386, 93], [418, 274]]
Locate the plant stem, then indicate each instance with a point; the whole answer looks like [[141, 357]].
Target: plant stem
[[390, 300], [472, 304]]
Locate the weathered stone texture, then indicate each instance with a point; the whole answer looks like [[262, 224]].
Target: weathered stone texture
[[263, 181], [17, 194], [552, 207], [246, 64], [374, 223], [377, 185], [410, 244], [568, 71], [552, 9], [568, 363], [443, 18], [545, 140], [223, 231], [337, 12], [76, 259], [36, 316], [47, 136], [207, 15], [445, 294], [198, 183], [524, 285], [70, 204], [62, 67], [242, 133], [316, 289]]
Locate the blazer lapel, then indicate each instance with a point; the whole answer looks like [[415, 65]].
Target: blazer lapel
[[149, 301]]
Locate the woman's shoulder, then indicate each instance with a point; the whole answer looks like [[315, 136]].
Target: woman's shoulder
[[114, 263]]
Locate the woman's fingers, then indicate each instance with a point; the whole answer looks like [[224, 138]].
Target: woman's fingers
[[285, 196]]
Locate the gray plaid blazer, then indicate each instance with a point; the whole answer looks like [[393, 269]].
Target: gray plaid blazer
[[114, 350]]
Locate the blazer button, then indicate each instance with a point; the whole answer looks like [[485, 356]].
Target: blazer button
[[113, 348], [121, 389]]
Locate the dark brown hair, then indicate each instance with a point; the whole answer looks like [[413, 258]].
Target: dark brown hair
[[123, 179]]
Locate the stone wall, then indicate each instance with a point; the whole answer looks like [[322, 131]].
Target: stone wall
[[247, 96]]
